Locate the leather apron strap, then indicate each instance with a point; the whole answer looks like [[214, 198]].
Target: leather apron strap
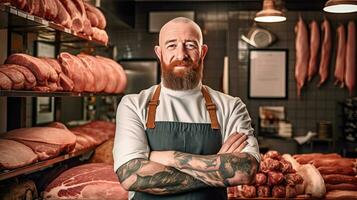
[[211, 107], [154, 102]]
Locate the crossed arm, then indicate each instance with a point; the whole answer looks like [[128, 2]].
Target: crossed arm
[[169, 172]]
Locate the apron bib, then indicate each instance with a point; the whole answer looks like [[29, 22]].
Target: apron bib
[[193, 138]]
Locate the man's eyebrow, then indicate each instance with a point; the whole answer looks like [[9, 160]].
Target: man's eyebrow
[[194, 41], [173, 40]]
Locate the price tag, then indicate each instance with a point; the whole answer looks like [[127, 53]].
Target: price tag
[[31, 17], [22, 14]]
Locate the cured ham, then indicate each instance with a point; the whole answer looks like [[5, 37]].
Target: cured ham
[[340, 56], [302, 54], [325, 51], [350, 74], [314, 49]]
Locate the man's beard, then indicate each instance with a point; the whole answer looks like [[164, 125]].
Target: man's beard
[[188, 79]]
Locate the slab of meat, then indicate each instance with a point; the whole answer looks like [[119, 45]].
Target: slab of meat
[[63, 138], [104, 153], [87, 28], [325, 51], [272, 154], [30, 79], [14, 154], [314, 49], [5, 82], [102, 23], [92, 77], [120, 73], [337, 170], [286, 166], [100, 35], [306, 158], [88, 181], [339, 178], [73, 68], [35, 65], [76, 17], [340, 162], [63, 18], [44, 150], [66, 83], [341, 186], [83, 141], [16, 77], [302, 54], [92, 17], [51, 10], [97, 70], [269, 164], [342, 194], [350, 75], [340, 56], [112, 83]]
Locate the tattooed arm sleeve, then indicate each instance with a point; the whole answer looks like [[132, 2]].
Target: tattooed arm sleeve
[[151, 177], [221, 170]]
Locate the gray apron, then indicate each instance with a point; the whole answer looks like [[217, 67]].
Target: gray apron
[[193, 138]]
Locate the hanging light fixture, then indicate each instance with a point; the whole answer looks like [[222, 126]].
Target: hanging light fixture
[[341, 6], [270, 13]]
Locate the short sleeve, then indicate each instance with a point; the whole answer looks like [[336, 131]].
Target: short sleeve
[[130, 139], [240, 121]]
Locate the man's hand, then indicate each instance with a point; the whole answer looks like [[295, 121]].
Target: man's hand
[[234, 144]]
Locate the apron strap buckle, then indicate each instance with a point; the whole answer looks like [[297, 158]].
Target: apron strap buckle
[[211, 106]]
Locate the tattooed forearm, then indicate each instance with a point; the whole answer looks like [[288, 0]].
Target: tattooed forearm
[[143, 175], [218, 170]]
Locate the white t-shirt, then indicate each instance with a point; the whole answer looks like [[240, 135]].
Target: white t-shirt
[[176, 106]]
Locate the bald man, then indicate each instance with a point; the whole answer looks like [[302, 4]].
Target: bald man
[[181, 139]]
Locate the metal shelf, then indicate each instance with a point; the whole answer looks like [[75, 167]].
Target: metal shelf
[[6, 174], [20, 21], [23, 93]]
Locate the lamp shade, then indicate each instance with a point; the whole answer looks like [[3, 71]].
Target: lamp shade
[[341, 6], [269, 13]]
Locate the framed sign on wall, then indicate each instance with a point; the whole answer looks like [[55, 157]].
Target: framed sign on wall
[[268, 73]]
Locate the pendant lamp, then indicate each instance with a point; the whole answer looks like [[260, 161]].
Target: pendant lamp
[[341, 6], [270, 13]]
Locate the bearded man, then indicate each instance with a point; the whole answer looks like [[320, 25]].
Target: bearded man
[[181, 139]]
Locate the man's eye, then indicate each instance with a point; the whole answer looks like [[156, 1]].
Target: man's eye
[[190, 46], [171, 46]]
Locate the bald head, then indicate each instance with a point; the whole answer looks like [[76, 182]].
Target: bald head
[[180, 23]]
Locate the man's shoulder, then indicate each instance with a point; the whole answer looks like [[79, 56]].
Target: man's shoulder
[[139, 98], [222, 97]]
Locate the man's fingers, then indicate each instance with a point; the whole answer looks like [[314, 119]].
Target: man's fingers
[[241, 147], [236, 144], [228, 143]]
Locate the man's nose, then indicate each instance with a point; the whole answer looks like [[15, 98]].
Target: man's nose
[[181, 53]]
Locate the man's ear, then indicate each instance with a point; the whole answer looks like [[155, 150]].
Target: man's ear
[[204, 51], [158, 52]]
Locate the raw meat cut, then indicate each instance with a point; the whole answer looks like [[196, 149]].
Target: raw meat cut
[[350, 74], [120, 73], [102, 23], [66, 83], [111, 76], [104, 153], [63, 18], [88, 181], [263, 191], [16, 77], [290, 191], [293, 179], [325, 51], [337, 170], [306, 158], [100, 35], [30, 79], [260, 179], [342, 195], [63, 138], [35, 65], [5, 82], [278, 191], [302, 55], [91, 78], [275, 178], [98, 71], [76, 18], [340, 65], [14, 154], [73, 68], [314, 49], [87, 28], [248, 191], [341, 186], [339, 178]]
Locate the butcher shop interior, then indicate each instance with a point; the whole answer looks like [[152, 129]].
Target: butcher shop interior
[[65, 66]]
